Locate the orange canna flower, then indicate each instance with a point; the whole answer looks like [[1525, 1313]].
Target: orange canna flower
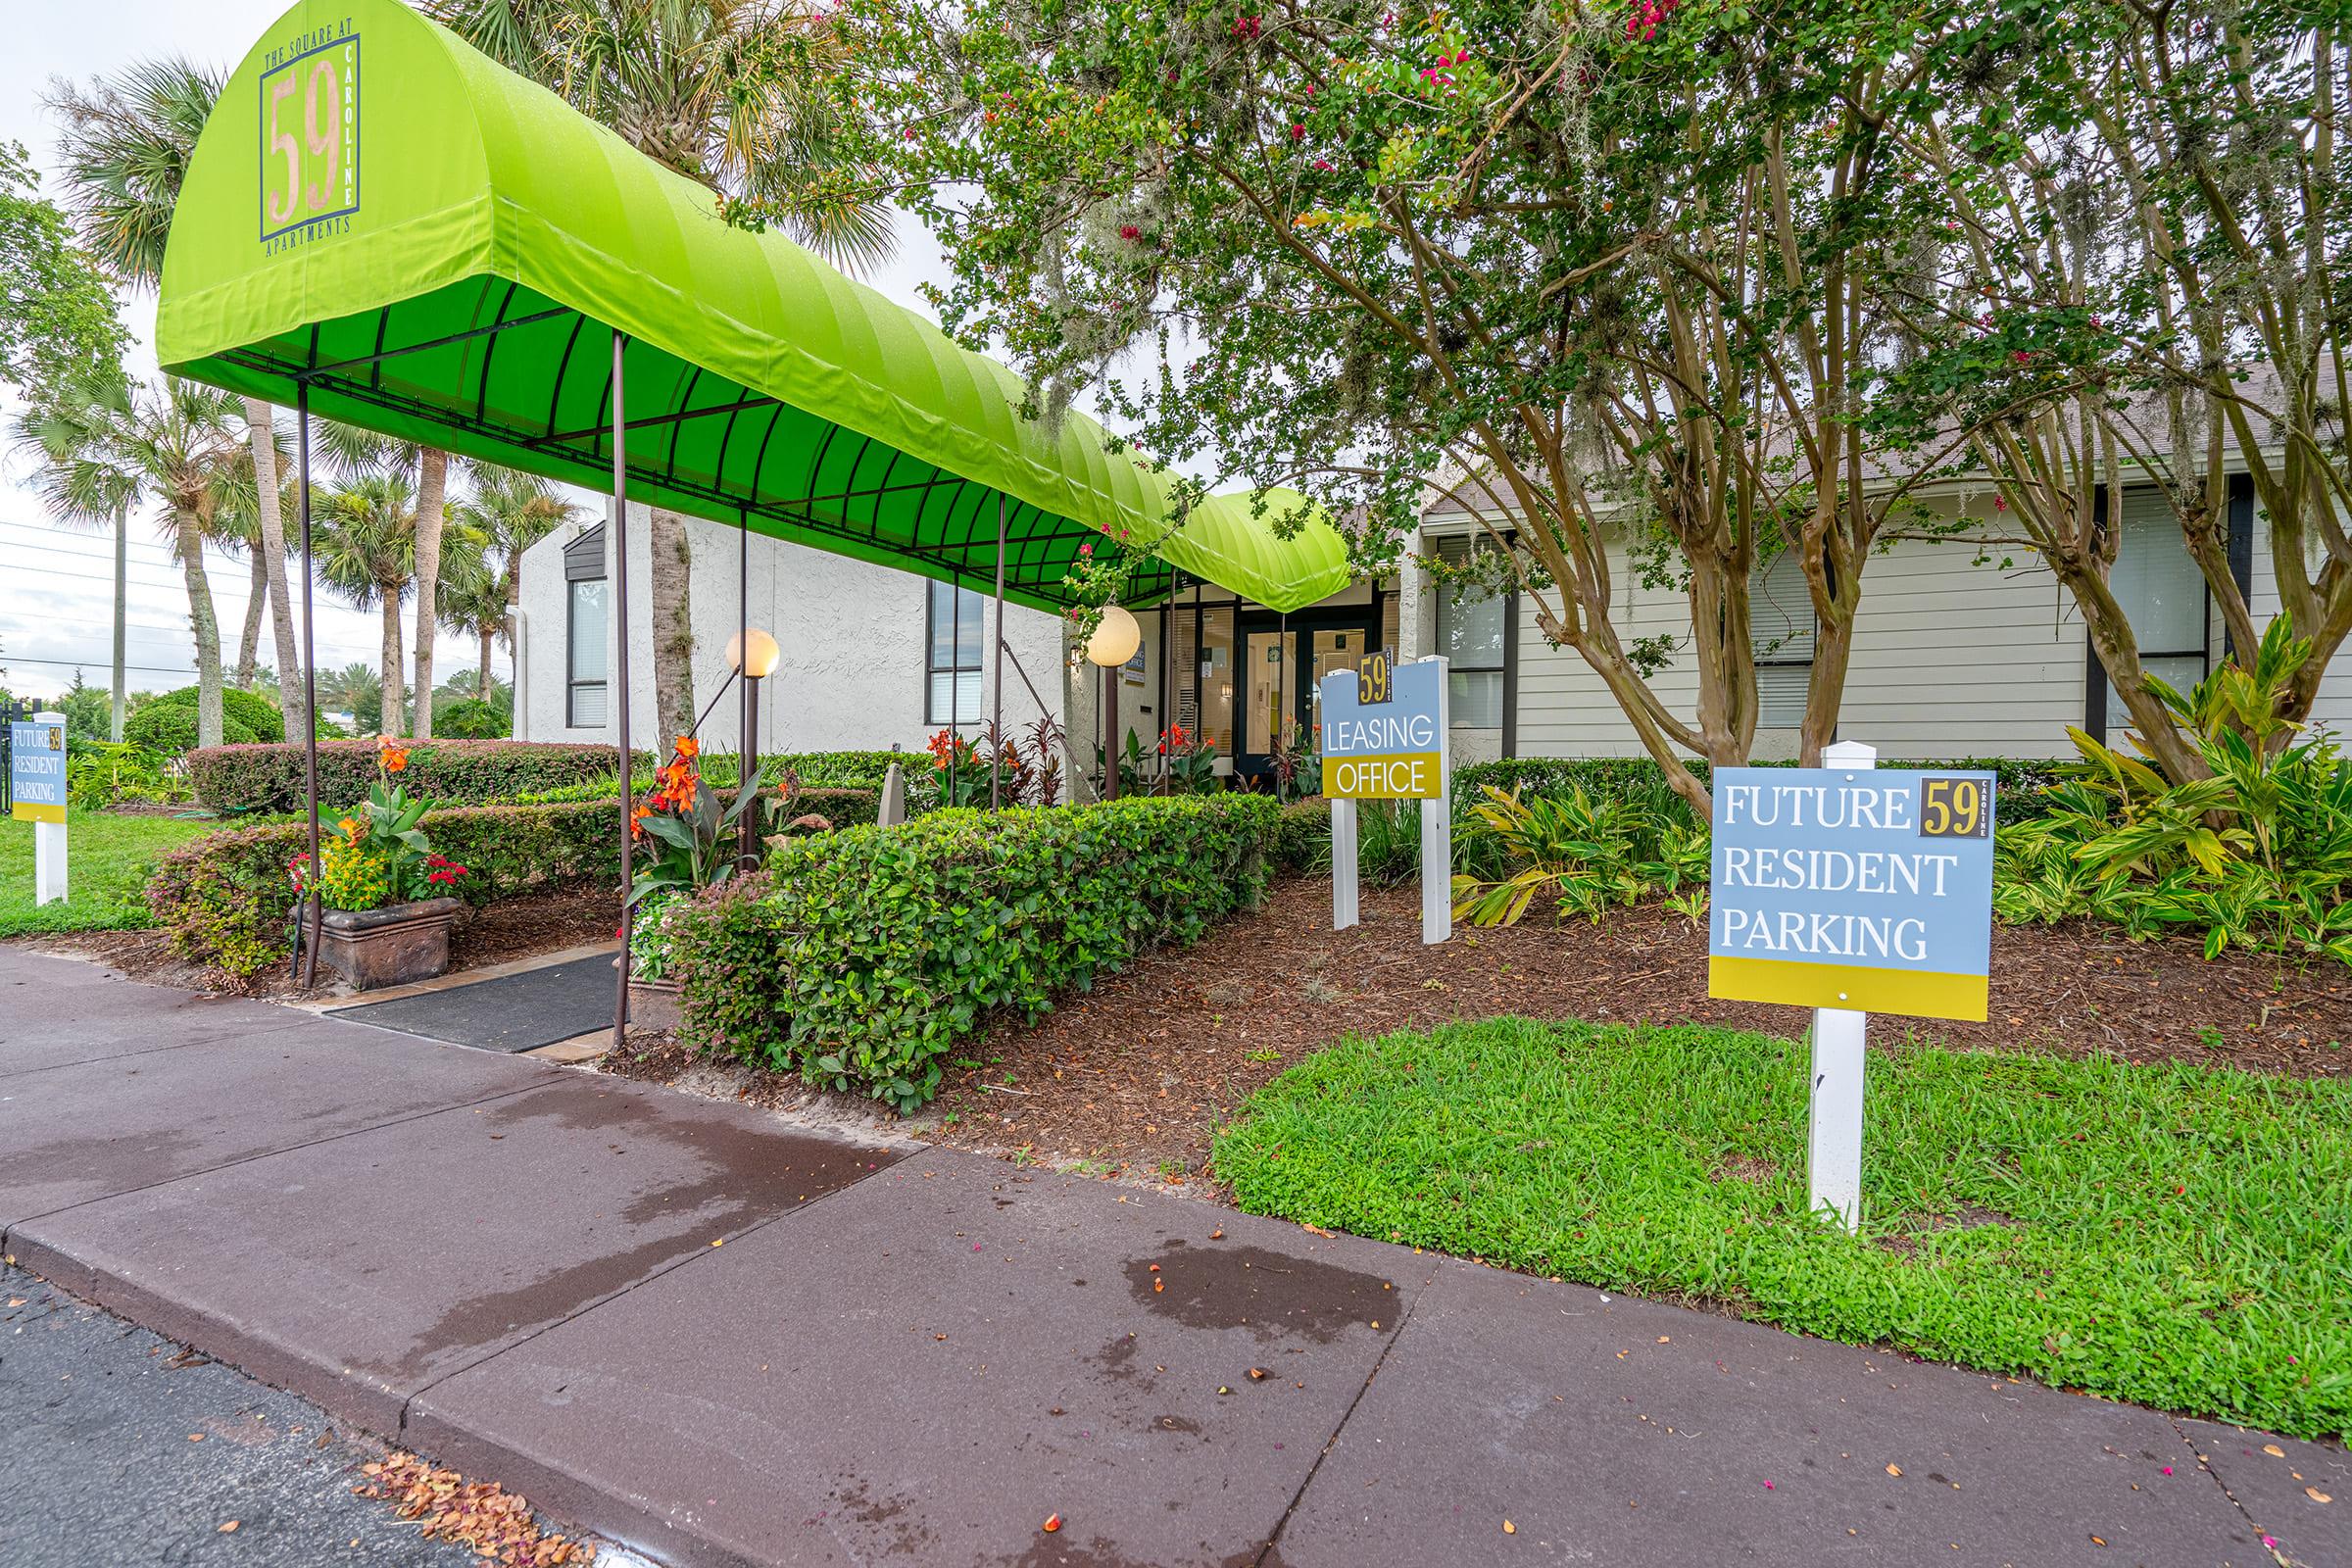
[[394, 760], [688, 746]]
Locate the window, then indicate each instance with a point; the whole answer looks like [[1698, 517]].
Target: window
[[952, 659], [584, 633], [2162, 594], [1472, 634], [1780, 629], [1203, 658]]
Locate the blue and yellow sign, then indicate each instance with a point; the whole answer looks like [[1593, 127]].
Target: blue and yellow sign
[[1391, 750], [1857, 888], [37, 771]]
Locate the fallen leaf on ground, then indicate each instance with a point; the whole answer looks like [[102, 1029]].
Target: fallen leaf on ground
[[229, 1529], [1509, 1529], [1894, 1469], [1052, 1523], [2317, 1496]]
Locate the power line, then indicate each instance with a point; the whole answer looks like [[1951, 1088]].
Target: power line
[[98, 664]]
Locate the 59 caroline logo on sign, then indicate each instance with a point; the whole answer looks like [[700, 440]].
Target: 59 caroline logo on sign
[[311, 140]]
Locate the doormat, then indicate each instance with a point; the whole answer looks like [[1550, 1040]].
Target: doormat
[[513, 1012]]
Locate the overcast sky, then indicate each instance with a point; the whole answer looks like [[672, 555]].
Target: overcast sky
[[56, 585]]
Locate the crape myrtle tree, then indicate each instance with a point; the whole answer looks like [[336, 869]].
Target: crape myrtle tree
[[1595, 275], [2145, 264]]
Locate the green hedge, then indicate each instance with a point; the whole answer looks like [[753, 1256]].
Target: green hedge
[[245, 717], [2017, 795], [1303, 841], [238, 779], [816, 770], [225, 897], [857, 958]]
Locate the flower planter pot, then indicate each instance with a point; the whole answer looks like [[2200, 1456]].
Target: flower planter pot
[[654, 1005], [393, 946]]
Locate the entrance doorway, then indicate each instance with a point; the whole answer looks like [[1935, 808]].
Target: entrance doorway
[[1279, 670]]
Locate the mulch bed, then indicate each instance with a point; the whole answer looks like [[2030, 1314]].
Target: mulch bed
[[498, 933], [1137, 1074]]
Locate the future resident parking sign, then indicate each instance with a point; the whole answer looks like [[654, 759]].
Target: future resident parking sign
[[1857, 887]]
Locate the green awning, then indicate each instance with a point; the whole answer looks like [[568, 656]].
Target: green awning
[[444, 251]]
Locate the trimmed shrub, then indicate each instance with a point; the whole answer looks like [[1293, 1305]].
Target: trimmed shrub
[[857, 958], [171, 729], [246, 716], [2017, 795], [1303, 841], [225, 897], [238, 779]]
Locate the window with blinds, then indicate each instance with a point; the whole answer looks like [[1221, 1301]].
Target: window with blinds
[[1202, 650], [2156, 582], [1780, 625], [951, 683], [1470, 634]]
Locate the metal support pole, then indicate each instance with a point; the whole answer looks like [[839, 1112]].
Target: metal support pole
[[1110, 728], [620, 605], [954, 685], [747, 728], [995, 680], [747, 844], [1833, 1125], [309, 681]]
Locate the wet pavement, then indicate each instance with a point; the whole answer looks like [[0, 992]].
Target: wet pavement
[[721, 1340]]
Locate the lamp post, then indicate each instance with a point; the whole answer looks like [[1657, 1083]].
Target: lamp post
[[752, 654], [1114, 642]]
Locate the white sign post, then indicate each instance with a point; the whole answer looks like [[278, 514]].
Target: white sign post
[[1850, 895], [1385, 738], [37, 792], [1833, 1125]]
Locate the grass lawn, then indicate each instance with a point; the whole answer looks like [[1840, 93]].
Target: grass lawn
[[107, 862], [2173, 1236]]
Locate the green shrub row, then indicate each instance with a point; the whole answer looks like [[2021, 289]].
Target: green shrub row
[[234, 780], [2017, 792], [857, 958], [225, 897]]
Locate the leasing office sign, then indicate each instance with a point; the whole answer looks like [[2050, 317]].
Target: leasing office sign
[[1866, 890]]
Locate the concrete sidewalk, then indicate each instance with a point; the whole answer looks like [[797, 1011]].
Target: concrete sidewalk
[[718, 1339]]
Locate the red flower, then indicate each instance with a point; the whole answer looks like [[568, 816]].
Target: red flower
[[1130, 231], [1298, 133]]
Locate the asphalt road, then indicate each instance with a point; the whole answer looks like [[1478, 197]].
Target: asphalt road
[[118, 1448]]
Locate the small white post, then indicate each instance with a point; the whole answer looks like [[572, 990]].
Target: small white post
[[1342, 865], [49, 841], [1834, 1141], [1437, 828]]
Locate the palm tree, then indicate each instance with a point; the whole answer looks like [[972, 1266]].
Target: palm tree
[[511, 511], [103, 443], [365, 541], [86, 494], [351, 689], [353, 452], [124, 149], [729, 93]]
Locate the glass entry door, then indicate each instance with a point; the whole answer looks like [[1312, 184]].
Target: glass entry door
[[1279, 672]]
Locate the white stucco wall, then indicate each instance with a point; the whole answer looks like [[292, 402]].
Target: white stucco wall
[[851, 634]]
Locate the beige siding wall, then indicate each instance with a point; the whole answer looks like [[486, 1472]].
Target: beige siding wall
[[1952, 658], [2334, 705]]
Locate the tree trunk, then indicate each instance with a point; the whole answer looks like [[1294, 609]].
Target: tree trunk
[[262, 433], [206, 626], [431, 485], [674, 628], [481, 686], [114, 723], [395, 701], [249, 640]]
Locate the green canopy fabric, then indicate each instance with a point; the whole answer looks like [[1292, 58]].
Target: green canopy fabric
[[444, 251]]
